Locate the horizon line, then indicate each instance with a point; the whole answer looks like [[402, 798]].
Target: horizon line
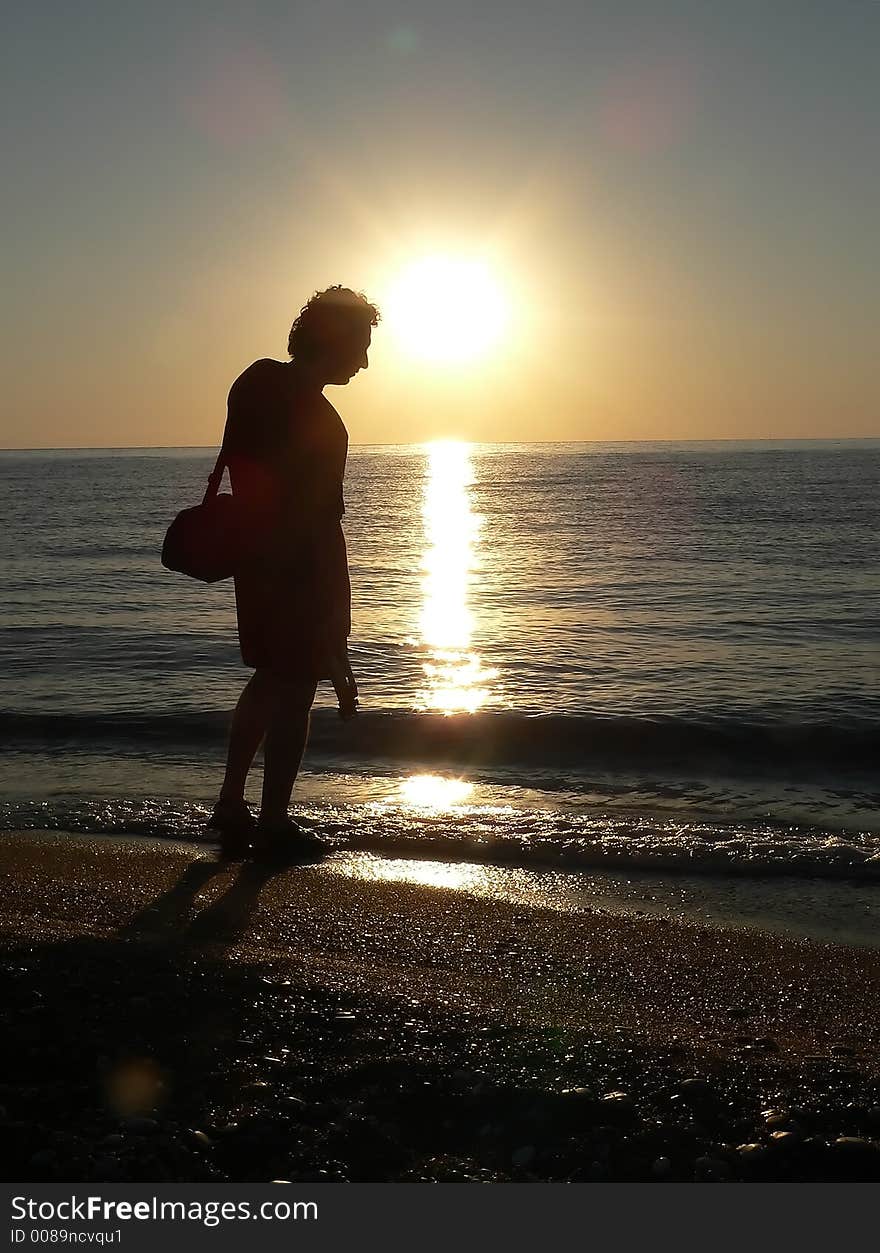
[[718, 439]]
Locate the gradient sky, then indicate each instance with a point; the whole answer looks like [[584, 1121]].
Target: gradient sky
[[682, 200]]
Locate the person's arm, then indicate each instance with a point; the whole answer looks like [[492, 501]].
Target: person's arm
[[311, 505], [252, 472], [340, 626], [340, 582]]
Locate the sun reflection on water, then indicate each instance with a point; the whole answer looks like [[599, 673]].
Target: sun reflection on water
[[432, 874], [455, 678], [432, 791]]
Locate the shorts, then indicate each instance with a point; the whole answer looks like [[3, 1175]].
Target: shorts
[[285, 624]]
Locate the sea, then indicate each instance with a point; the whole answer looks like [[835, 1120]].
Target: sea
[[636, 676]]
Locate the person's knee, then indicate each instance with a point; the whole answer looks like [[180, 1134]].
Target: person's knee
[[292, 695], [261, 689]]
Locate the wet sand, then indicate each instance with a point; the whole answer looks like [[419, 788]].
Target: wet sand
[[167, 1016]]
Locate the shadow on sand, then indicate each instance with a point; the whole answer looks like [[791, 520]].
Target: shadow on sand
[[161, 1055], [171, 919]]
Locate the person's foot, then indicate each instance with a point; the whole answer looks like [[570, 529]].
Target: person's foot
[[231, 815], [234, 824], [284, 840]]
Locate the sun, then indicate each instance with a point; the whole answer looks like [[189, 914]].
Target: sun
[[444, 308]]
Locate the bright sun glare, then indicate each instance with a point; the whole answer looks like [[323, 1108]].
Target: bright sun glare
[[432, 791], [446, 309]]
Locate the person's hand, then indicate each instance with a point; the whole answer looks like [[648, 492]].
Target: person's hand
[[352, 682], [344, 682]]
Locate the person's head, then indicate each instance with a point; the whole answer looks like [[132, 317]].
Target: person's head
[[331, 336]]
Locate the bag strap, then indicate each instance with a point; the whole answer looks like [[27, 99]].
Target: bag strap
[[215, 477]]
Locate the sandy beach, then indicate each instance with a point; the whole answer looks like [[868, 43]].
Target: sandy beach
[[170, 1017]]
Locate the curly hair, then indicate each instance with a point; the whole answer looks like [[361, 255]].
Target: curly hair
[[328, 314]]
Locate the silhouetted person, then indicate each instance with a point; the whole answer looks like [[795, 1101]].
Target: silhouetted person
[[286, 449]]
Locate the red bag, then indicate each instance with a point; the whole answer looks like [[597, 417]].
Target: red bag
[[206, 541]]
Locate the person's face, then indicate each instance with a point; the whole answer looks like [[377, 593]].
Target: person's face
[[349, 356]]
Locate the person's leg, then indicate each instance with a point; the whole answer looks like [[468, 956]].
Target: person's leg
[[286, 737], [249, 725]]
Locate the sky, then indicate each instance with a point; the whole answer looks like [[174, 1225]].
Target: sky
[[677, 204]]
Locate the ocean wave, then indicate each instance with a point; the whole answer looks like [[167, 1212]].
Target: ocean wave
[[497, 738], [501, 835]]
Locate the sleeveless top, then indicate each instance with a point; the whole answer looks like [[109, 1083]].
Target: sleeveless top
[[286, 454]]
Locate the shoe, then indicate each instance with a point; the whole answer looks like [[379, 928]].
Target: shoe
[[284, 840], [234, 824], [231, 816]]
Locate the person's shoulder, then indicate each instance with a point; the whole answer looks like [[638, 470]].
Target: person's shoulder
[[257, 374], [253, 410]]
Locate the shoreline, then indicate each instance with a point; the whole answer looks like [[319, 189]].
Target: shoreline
[[831, 909], [313, 1024]]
